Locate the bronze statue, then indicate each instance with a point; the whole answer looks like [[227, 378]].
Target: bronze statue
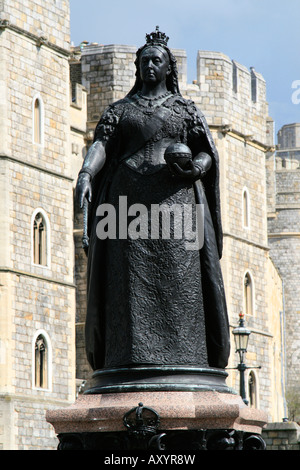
[[150, 300]]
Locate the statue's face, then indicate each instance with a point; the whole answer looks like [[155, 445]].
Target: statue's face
[[154, 65]]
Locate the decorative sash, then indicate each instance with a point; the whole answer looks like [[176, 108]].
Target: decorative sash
[[146, 132]]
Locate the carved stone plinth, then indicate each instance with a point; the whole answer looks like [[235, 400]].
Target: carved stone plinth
[[162, 420]]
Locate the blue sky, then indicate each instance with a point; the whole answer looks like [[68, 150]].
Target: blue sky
[[263, 34]]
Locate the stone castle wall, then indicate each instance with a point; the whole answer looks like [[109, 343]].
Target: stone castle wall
[[35, 298], [282, 436], [49, 20], [284, 239], [34, 50], [108, 73], [289, 136], [232, 95], [233, 100]]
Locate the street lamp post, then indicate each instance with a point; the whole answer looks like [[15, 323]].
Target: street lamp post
[[241, 338]]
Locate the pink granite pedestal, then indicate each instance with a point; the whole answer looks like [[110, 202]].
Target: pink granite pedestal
[[177, 411]]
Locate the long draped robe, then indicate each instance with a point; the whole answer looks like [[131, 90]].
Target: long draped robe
[[153, 301]]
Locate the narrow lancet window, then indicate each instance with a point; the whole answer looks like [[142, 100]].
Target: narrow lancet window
[[248, 294], [246, 211], [41, 363], [37, 122], [252, 390]]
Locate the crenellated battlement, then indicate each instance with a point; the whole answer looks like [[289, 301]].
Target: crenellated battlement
[[227, 92], [230, 94], [108, 73]]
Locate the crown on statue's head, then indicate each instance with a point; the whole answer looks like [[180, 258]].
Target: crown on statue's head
[[157, 38]]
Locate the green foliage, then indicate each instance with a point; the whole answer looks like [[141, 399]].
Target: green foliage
[[293, 403]]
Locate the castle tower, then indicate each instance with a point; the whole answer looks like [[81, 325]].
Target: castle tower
[[288, 148], [284, 241], [37, 294]]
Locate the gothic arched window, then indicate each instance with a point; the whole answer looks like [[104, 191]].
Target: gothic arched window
[[40, 238], [41, 361]]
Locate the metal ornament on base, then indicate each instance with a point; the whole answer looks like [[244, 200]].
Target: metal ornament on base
[[180, 441]]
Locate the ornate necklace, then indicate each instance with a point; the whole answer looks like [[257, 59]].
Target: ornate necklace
[[160, 97], [149, 104]]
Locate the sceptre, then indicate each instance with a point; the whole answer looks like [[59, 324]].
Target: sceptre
[[85, 238]]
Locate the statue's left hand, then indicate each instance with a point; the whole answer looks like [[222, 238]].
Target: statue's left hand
[[190, 171], [194, 169]]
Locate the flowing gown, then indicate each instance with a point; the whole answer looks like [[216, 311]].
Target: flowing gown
[[151, 299]]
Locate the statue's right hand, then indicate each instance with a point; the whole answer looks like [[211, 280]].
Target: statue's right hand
[[83, 188]]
